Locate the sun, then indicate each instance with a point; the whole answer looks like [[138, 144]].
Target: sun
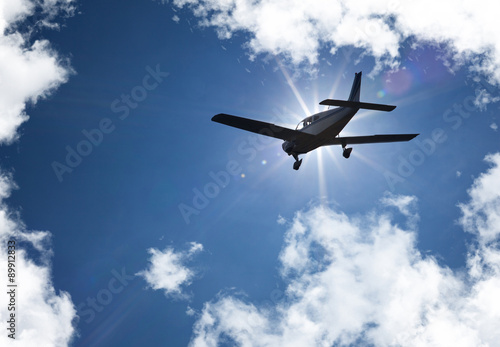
[[328, 158]]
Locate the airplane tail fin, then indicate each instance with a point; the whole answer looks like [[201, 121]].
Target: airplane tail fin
[[356, 88], [353, 100]]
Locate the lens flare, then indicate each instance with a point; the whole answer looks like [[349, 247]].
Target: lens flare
[[398, 82]]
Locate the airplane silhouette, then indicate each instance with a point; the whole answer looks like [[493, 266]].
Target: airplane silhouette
[[320, 129]]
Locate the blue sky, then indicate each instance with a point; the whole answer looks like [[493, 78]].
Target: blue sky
[[397, 245]]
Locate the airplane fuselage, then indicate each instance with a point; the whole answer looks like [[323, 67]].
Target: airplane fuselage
[[325, 126]]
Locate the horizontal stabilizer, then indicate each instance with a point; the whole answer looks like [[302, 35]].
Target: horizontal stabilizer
[[356, 140], [356, 104], [259, 127]]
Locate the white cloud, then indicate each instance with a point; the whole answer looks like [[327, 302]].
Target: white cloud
[[281, 220], [190, 311], [494, 126], [168, 270], [299, 29], [195, 248], [28, 70], [481, 215], [362, 280], [407, 205], [483, 98], [43, 316]]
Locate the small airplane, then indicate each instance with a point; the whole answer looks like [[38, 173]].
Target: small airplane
[[320, 129]]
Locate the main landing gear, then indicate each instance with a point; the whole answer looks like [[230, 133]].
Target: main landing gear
[[297, 163], [346, 151]]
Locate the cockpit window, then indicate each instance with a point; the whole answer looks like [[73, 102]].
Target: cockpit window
[[306, 121]]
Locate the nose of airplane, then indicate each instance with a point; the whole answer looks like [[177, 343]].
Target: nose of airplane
[[288, 146]]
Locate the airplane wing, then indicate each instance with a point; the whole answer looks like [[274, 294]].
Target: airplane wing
[[259, 127], [355, 140], [357, 104]]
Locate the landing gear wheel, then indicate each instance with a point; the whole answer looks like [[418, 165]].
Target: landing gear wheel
[[347, 152], [296, 165]]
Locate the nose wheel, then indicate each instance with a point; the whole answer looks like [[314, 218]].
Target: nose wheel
[[297, 163], [346, 151]]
